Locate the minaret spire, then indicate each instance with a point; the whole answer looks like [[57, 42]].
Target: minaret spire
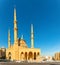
[[15, 26], [9, 38], [32, 36], [14, 14]]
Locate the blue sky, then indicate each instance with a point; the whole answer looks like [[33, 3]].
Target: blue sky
[[43, 14]]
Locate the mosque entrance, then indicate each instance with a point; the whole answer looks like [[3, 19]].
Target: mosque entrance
[[34, 55], [22, 56], [9, 55], [30, 56], [25, 55]]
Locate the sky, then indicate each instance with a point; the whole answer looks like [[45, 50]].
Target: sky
[[43, 14]]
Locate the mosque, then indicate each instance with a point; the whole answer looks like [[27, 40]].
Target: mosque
[[19, 50]]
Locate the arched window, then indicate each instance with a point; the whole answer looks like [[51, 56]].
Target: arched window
[[9, 55], [21, 52], [9, 52], [38, 53], [19, 42]]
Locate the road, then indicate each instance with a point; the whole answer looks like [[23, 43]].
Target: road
[[16, 63]]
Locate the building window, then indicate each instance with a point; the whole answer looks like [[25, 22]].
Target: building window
[[18, 44], [38, 53], [9, 52], [21, 52], [10, 57]]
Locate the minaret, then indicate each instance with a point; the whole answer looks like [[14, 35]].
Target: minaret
[[32, 36], [15, 26], [9, 38]]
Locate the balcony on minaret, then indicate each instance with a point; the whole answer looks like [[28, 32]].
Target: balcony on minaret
[[15, 28], [15, 22]]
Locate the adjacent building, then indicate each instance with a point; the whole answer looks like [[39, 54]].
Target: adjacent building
[[57, 56], [2, 53]]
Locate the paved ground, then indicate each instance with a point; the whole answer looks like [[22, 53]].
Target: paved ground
[[15, 63]]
